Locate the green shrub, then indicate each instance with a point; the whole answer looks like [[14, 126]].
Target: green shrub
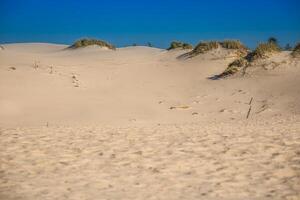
[[87, 42], [204, 47], [232, 44], [181, 45], [296, 50], [263, 50]]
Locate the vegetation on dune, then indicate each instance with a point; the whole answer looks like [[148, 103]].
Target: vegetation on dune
[[263, 50], [204, 47], [87, 42], [234, 67], [273, 40], [296, 50], [181, 45], [233, 44], [187, 46]]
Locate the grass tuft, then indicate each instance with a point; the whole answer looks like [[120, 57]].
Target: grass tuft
[[204, 47], [233, 44], [263, 50], [234, 67], [181, 45], [87, 42]]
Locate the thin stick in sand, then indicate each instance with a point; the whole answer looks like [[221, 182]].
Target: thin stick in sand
[[250, 108]]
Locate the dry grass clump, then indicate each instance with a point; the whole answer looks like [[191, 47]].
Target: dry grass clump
[[87, 42], [296, 50], [204, 47], [233, 44], [181, 45], [263, 50], [234, 67]]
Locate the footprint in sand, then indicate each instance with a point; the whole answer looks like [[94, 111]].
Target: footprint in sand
[[75, 81], [36, 64], [51, 70], [161, 102]]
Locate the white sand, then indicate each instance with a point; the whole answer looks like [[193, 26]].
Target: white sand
[[137, 123]]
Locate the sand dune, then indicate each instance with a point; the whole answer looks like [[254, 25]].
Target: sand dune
[[139, 123]]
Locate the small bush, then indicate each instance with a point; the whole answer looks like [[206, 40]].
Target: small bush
[[204, 47], [87, 42], [273, 40], [181, 45], [233, 44], [263, 50], [296, 50]]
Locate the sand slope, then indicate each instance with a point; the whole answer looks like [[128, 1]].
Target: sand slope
[[138, 123]]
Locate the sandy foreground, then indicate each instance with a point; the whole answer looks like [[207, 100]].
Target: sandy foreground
[[137, 123]]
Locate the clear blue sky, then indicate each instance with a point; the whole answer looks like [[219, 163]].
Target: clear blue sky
[[123, 22]]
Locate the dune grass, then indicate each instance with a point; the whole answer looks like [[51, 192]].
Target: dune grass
[[296, 50], [204, 47], [263, 50], [234, 67], [88, 42], [179, 45], [233, 44]]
